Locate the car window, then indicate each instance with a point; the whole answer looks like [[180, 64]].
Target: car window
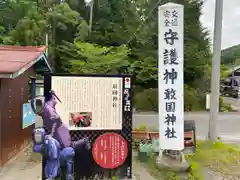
[[236, 73]]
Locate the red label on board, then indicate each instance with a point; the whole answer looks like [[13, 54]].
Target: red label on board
[[110, 150]]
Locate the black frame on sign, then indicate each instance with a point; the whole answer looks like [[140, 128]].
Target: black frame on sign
[[84, 165]]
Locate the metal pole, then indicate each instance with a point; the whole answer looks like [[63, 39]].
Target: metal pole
[[91, 16], [215, 80], [46, 43]]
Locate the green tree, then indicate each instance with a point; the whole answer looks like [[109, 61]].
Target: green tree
[[231, 55], [80, 57], [65, 24], [11, 11], [30, 30], [134, 23], [124, 37], [115, 23]]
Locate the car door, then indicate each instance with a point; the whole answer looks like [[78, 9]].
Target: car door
[[235, 88]]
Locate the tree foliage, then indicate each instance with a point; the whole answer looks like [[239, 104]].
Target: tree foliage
[[79, 57], [123, 37], [231, 55]]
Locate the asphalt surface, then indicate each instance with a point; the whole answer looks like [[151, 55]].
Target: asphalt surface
[[228, 124]]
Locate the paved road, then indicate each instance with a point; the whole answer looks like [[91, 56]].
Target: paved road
[[228, 124]]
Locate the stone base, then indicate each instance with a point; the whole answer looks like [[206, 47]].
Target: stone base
[[172, 161]]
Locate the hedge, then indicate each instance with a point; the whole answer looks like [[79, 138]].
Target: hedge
[[147, 100]]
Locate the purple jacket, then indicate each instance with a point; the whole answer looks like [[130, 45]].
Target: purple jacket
[[54, 124]]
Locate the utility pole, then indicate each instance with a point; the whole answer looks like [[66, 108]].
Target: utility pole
[[91, 17], [215, 80], [90, 3], [46, 43]]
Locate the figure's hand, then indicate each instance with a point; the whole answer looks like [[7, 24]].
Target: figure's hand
[[87, 143]]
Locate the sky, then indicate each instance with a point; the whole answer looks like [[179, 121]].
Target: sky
[[231, 21]]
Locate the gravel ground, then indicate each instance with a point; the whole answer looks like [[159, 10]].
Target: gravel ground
[[27, 166], [211, 175]]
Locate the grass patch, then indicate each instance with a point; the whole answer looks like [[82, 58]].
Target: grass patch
[[216, 157]]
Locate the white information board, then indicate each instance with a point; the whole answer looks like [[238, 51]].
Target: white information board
[[89, 103], [170, 77]]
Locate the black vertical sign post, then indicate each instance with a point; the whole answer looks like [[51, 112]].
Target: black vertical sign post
[[85, 166], [127, 120]]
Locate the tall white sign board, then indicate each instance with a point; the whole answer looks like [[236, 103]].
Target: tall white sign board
[[170, 76]]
